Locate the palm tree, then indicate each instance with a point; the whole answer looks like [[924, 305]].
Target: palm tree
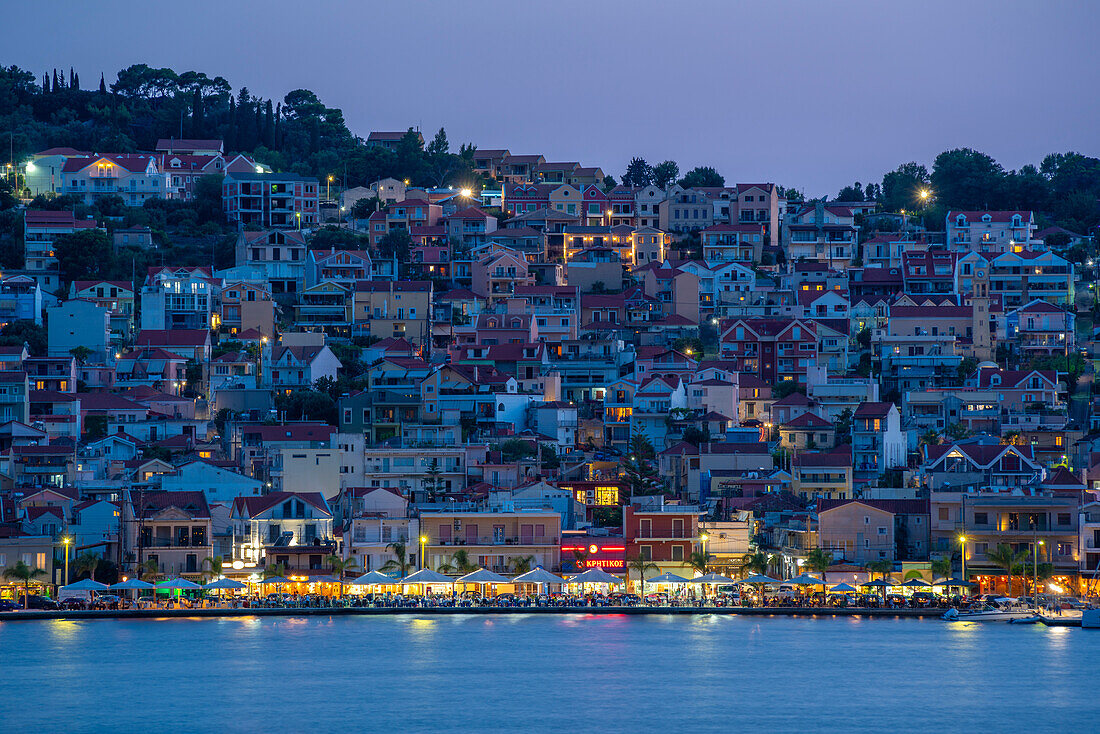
[[459, 563], [521, 564], [212, 567], [340, 566], [641, 566], [400, 560], [273, 571], [775, 561], [698, 560], [86, 563], [884, 567], [580, 555], [148, 571], [755, 562], [1011, 561], [819, 560], [25, 574], [943, 567]]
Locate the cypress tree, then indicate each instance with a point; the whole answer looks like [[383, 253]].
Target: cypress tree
[[279, 126], [76, 81], [45, 83], [72, 77], [259, 124], [196, 114], [55, 86], [102, 84], [231, 129], [269, 126]]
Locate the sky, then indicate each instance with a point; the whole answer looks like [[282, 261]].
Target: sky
[[813, 94]]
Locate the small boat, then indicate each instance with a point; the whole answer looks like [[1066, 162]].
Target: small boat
[[998, 610], [1034, 619]]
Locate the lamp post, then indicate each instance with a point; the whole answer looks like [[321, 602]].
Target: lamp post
[[423, 542], [328, 188], [962, 542], [65, 542], [1035, 569]]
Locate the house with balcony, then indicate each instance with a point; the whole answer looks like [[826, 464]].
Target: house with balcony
[[771, 349], [1041, 328], [398, 309], [1021, 277], [280, 255], [878, 442], [41, 229], [117, 296], [180, 297], [663, 534], [471, 226], [519, 169], [684, 210], [493, 540], [990, 232], [270, 200], [497, 275], [134, 178], [171, 529], [822, 474], [325, 307], [740, 243], [826, 234], [278, 519], [289, 368]]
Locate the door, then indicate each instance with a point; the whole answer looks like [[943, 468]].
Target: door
[[526, 534], [471, 534]]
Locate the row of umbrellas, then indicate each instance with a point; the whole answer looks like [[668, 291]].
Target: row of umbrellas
[[138, 585]]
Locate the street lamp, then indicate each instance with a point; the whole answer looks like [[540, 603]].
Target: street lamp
[[962, 542], [66, 541], [423, 542], [328, 187], [1035, 569], [466, 193]]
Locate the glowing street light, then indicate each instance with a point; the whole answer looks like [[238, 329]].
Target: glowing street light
[[66, 541], [962, 542], [423, 542], [925, 194], [466, 193]]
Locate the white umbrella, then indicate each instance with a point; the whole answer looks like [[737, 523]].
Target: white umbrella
[[225, 584], [481, 576], [667, 578], [425, 576], [372, 578], [842, 589], [917, 584], [711, 578], [805, 580], [758, 578], [277, 580], [86, 585], [596, 576], [538, 576]]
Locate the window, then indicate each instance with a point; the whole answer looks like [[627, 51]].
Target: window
[[677, 552], [1063, 518], [882, 531]]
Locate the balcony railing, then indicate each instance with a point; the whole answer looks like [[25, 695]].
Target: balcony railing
[[498, 540]]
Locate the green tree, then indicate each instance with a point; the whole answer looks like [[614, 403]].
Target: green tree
[[638, 173], [364, 207], [843, 426], [85, 565], [212, 567], [1012, 561], [25, 331], [521, 564], [702, 176], [396, 244], [664, 173], [901, 187], [86, 254], [640, 566], [756, 562], [273, 571], [81, 353], [819, 560], [639, 466], [967, 179], [957, 431], [700, 561], [340, 567], [433, 480], [400, 561], [21, 573], [943, 567]]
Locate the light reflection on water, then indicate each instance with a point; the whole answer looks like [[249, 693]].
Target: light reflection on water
[[475, 673]]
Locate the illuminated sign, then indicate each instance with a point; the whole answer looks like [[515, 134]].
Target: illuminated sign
[[608, 554]]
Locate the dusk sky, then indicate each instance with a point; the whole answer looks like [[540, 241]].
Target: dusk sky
[[808, 94]]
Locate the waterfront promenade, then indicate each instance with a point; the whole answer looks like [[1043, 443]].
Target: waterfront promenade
[[453, 611]]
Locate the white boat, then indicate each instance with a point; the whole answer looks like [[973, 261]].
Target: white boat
[[998, 610]]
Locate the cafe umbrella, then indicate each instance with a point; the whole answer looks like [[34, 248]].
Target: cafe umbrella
[[372, 578], [711, 579], [759, 580], [424, 578], [482, 577], [538, 576], [132, 585], [596, 576]]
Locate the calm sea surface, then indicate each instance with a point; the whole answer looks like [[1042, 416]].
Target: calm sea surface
[[545, 673]]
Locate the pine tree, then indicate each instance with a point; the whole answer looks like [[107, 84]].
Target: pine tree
[[278, 140], [269, 126], [72, 77], [259, 124], [196, 113], [102, 84], [231, 129]]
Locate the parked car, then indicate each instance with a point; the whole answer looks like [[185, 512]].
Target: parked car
[[74, 602], [36, 601], [8, 605], [107, 601]]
